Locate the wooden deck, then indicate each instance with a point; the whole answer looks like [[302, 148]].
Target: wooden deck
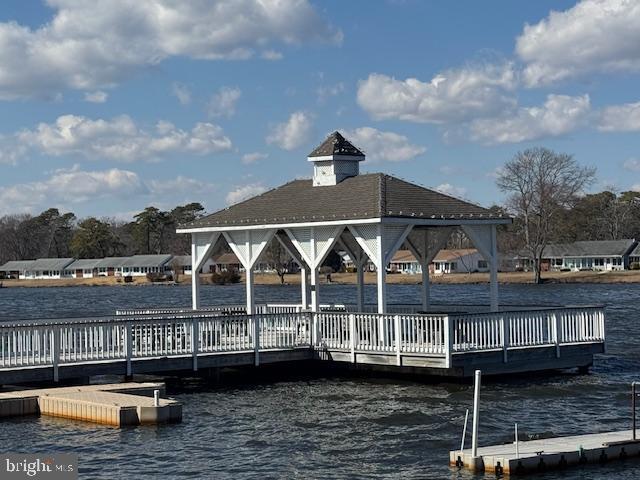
[[160, 341]]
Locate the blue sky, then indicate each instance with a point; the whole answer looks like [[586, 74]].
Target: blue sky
[[110, 106]]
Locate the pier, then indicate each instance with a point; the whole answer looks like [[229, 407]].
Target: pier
[[168, 341]]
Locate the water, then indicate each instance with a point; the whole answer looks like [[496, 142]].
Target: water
[[311, 427]]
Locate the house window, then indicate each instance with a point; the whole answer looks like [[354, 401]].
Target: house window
[[557, 262], [598, 262], [482, 264], [617, 261]]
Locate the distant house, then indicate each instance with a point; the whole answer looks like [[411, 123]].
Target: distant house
[[108, 266], [83, 268], [465, 260], [603, 255], [634, 257], [183, 263], [225, 262], [140, 265], [15, 269], [46, 268]]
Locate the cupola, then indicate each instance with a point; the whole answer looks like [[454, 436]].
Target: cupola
[[334, 160]]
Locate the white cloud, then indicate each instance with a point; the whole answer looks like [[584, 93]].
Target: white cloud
[[459, 94], [182, 93], [632, 164], [272, 55], [620, 118], [179, 186], [293, 133], [386, 146], [223, 102], [253, 157], [635, 188], [120, 139], [325, 91], [452, 190], [89, 44], [96, 97], [592, 36], [244, 192], [559, 115], [70, 186]]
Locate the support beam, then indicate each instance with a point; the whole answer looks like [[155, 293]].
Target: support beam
[[485, 239], [251, 305], [202, 245], [381, 267], [314, 290], [360, 285], [493, 265], [304, 287]]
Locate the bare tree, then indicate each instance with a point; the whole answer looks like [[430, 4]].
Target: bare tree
[[278, 257], [541, 184]]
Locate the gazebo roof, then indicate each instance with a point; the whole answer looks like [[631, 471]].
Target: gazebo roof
[[366, 196], [336, 144]]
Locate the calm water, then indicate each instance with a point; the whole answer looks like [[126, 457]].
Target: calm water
[[338, 427]]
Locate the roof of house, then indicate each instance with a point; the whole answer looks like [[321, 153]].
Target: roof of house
[[111, 262], [147, 260], [403, 256], [85, 264], [226, 259], [182, 260], [42, 264], [590, 248], [636, 251], [454, 254], [336, 144], [16, 265], [364, 196]]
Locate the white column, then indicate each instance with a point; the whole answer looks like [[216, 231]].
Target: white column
[[249, 285], [315, 290], [195, 278], [382, 273], [303, 287], [425, 283], [494, 270], [360, 283]]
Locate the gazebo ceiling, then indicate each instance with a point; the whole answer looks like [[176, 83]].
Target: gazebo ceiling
[[361, 197]]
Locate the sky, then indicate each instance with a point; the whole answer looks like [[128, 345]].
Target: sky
[[109, 106]]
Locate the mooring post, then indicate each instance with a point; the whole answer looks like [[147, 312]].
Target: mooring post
[[516, 442], [476, 412], [156, 398], [464, 430]]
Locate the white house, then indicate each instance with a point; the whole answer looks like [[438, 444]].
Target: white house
[[15, 269], [603, 255], [464, 260], [634, 257], [140, 265], [183, 263], [83, 268], [46, 268]]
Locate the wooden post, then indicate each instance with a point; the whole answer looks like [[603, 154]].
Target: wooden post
[[425, 283], [55, 352], [494, 270], [303, 287], [476, 414], [505, 328], [448, 341], [315, 290], [195, 277], [248, 270], [352, 336], [360, 284], [256, 339], [398, 337], [128, 344], [195, 340]]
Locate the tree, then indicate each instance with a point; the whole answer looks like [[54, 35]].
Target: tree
[[149, 228], [277, 257], [540, 185], [94, 239]]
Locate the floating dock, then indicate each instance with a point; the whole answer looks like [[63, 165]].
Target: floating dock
[[112, 404], [548, 454]]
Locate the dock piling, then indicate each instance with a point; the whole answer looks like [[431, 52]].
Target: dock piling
[[476, 413], [464, 429]]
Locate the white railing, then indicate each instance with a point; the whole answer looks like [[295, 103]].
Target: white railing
[[118, 338]]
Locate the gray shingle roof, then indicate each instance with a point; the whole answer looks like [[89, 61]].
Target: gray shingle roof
[[146, 261], [182, 260], [42, 264], [16, 265], [85, 264], [595, 248], [336, 144], [365, 196], [111, 262], [636, 251]]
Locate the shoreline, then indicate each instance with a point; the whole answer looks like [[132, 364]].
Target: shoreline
[[624, 277]]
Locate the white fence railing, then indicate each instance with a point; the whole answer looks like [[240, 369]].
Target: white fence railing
[[54, 343]]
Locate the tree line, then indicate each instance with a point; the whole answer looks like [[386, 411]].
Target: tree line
[[55, 234]]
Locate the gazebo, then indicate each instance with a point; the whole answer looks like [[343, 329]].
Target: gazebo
[[370, 216]]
